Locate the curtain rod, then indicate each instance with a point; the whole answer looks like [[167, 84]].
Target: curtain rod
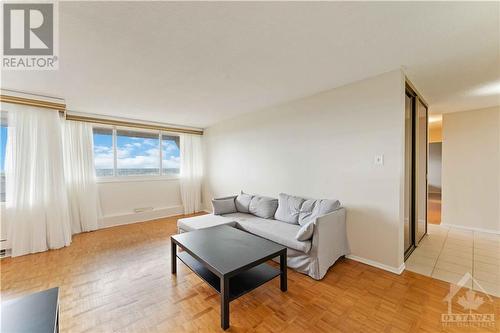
[[61, 107], [105, 121]]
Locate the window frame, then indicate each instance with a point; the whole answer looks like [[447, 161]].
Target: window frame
[[135, 178]]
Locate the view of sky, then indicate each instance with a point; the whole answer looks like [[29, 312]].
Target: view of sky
[[135, 153], [132, 152]]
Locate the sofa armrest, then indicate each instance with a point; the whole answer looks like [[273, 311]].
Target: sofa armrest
[[329, 239]]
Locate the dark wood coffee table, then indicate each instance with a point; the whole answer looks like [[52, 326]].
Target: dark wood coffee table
[[230, 260], [38, 312]]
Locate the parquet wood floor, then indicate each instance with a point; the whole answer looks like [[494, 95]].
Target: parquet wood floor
[[118, 280]]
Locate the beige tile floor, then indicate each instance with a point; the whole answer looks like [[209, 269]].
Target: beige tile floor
[[448, 253]]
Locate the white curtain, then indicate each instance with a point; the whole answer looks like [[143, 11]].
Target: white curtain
[[191, 172], [36, 199], [80, 176]]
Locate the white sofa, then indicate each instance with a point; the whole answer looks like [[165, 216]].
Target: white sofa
[[312, 256]]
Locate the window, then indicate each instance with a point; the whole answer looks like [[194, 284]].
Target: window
[[137, 153], [126, 152], [103, 152], [3, 145], [171, 155]]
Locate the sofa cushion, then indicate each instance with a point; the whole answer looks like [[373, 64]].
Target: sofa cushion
[[305, 232], [264, 207], [224, 205], [288, 208], [276, 231], [203, 221], [243, 202], [311, 209]]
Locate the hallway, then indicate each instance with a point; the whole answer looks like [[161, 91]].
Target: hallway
[[447, 253], [434, 208]]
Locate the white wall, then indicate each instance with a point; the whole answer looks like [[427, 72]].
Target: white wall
[[324, 146], [471, 169], [119, 199], [435, 164]]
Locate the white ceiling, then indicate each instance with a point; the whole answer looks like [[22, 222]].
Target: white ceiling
[[198, 63]]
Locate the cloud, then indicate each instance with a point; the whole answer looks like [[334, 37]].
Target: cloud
[[137, 155], [173, 162], [138, 162], [103, 157], [101, 149], [169, 146]]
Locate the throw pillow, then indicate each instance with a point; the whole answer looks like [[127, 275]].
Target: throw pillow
[[224, 205], [288, 208], [264, 207], [305, 233], [312, 209], [243, 202]]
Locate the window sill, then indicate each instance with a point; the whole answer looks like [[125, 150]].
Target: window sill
[[129, 179]]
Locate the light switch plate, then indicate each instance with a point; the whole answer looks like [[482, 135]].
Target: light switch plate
[[379, 159]]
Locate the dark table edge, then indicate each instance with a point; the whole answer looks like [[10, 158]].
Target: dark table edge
[[207, 265], [56, 315], [235, 271]]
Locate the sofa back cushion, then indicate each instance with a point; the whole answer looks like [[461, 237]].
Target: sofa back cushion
[[311, 209], [225, 205], [243, 202], [288, 208], [264, 207]]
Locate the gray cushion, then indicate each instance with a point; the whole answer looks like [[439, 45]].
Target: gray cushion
[[276, 231], [305, 233], [243, 202], [311, 209], [224, 205], [263, 207], [288, 208]]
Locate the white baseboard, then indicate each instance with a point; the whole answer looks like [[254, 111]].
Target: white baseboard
[[395, 270], [122, 219], [488, 231]]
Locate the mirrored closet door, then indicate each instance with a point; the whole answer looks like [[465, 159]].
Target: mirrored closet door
[[415, 196]]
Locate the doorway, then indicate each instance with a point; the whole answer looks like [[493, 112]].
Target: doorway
[[415, 194], [435, 165]]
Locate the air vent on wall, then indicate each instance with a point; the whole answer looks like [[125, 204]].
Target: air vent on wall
[[143, 209]]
